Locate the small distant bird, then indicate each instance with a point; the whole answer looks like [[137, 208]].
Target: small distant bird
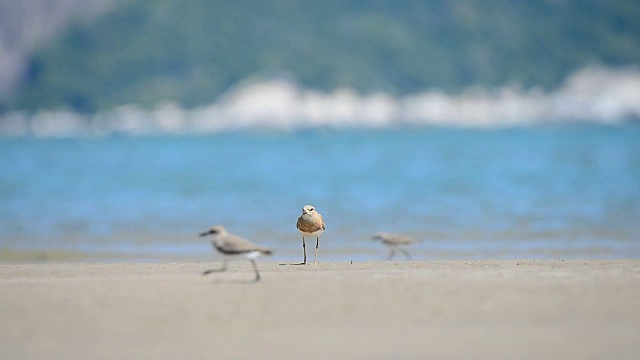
[[233, 245], [395, 242], [310, 224]]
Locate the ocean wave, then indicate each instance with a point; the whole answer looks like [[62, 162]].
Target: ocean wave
[[594, 94]]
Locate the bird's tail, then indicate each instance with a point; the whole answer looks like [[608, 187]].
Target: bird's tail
[[265, 251]]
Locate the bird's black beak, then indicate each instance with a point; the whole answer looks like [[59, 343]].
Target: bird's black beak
[[205, 233]]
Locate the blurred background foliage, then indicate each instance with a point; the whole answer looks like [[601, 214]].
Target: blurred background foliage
[[146, 51]]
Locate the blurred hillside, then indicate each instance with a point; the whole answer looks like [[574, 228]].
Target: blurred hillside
[[26, 24], [146, 51]]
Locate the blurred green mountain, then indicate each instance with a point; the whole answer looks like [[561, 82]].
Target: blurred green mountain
[[146, 51]]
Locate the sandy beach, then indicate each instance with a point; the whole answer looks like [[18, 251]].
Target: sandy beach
[[514, 309]]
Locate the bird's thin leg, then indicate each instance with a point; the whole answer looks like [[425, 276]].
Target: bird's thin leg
[[255, 268], [316, 258], [404, 251], [393, 252], [304, 250], [223, 268]]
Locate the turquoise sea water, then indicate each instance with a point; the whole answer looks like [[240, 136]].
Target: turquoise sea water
[[531, 192]]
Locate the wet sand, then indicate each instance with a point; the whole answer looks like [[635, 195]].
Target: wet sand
[[374, 310]]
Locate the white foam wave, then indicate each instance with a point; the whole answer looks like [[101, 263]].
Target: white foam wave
[[593, 94]]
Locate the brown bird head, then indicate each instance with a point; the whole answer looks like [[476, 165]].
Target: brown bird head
[[308, 209]]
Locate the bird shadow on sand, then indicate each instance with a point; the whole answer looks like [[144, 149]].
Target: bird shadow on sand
[[240, 282], [294, 264], [234, 281]]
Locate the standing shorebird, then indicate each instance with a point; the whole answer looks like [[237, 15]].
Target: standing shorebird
[[395, 242], [310, 224], [233, 245]]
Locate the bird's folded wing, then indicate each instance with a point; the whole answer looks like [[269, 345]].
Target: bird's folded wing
[[236, 245], [403, 240]]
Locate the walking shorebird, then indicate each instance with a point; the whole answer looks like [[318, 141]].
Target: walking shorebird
[[395, 242], [233, 245], [310, 224]]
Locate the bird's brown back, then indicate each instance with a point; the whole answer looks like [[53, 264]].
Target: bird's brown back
[[233, 244]]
